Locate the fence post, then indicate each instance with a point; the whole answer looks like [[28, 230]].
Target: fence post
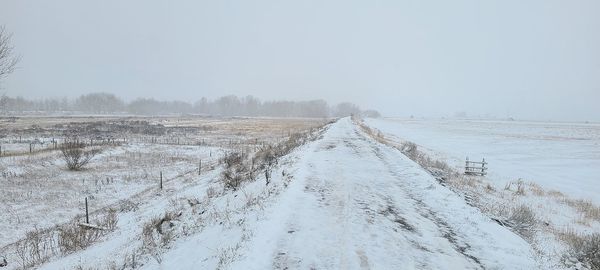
[[267, 176], [161, 181], [87, 215], [200, 167], [483, 167], [30, 148]]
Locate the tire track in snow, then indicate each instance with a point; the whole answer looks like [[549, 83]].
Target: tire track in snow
[[448, 233], [355, 204], [349, 204]]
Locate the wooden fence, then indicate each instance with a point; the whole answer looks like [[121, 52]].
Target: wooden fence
[[475, 167]]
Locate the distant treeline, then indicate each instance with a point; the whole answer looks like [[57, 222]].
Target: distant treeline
[[104, 103]]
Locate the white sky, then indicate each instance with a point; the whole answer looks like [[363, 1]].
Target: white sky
[[534, 59]]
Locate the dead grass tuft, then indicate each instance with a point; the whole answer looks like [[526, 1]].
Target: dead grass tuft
[[522, 220], [585, 207], [583, 249]]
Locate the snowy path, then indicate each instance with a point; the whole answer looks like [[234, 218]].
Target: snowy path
[[357, 204]]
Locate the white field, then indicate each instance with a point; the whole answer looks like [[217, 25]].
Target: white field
[[341, 201], [558, 156]]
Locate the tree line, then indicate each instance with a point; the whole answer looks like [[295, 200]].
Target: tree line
[[106, 103]]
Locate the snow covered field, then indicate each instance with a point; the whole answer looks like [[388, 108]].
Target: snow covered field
[[558, 216], [38, 192], [340, 199], [558, 156]]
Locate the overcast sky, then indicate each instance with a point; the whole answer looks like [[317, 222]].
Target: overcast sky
[[534, 59]]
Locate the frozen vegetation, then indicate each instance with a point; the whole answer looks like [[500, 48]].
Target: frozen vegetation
[[270, 193]]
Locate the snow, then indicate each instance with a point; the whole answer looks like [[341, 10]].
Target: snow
[[344, 201], [357, 204], [42, 178], [558, 156]]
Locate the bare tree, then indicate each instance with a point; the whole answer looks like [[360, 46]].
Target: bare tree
[[346, 109], [8, 61], [75, 154]]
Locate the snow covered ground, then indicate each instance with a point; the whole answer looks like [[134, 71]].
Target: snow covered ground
[[558, 156], [343, 201]]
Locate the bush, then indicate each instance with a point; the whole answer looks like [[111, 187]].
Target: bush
[[73, 238], [522, 220], [233, 159], [232, 178], [157, 234], [239, 168], [75, 154], [235, 170], [586, 250], [410, 150]]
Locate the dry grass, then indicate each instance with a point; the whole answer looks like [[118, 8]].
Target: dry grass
[[523, 221], [239, 167], [584, 249], [585, 207], [157, 234], [536, 189], [40, 245]]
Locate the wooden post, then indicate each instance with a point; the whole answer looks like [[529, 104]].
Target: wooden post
[[483, 167], [161, 181], [30, 148], [200, 167], [87, 215], [267, 176]]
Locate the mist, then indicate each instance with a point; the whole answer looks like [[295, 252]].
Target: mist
[[534, 60]]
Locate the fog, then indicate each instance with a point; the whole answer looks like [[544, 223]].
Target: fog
[[534, 59]]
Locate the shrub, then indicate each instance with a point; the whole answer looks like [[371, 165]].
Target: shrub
[[157, 234], [522, 220], [235, 170], [232, 178], [410, 150], [586, 250], [73, 237], [234, 158], [75, 154]]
